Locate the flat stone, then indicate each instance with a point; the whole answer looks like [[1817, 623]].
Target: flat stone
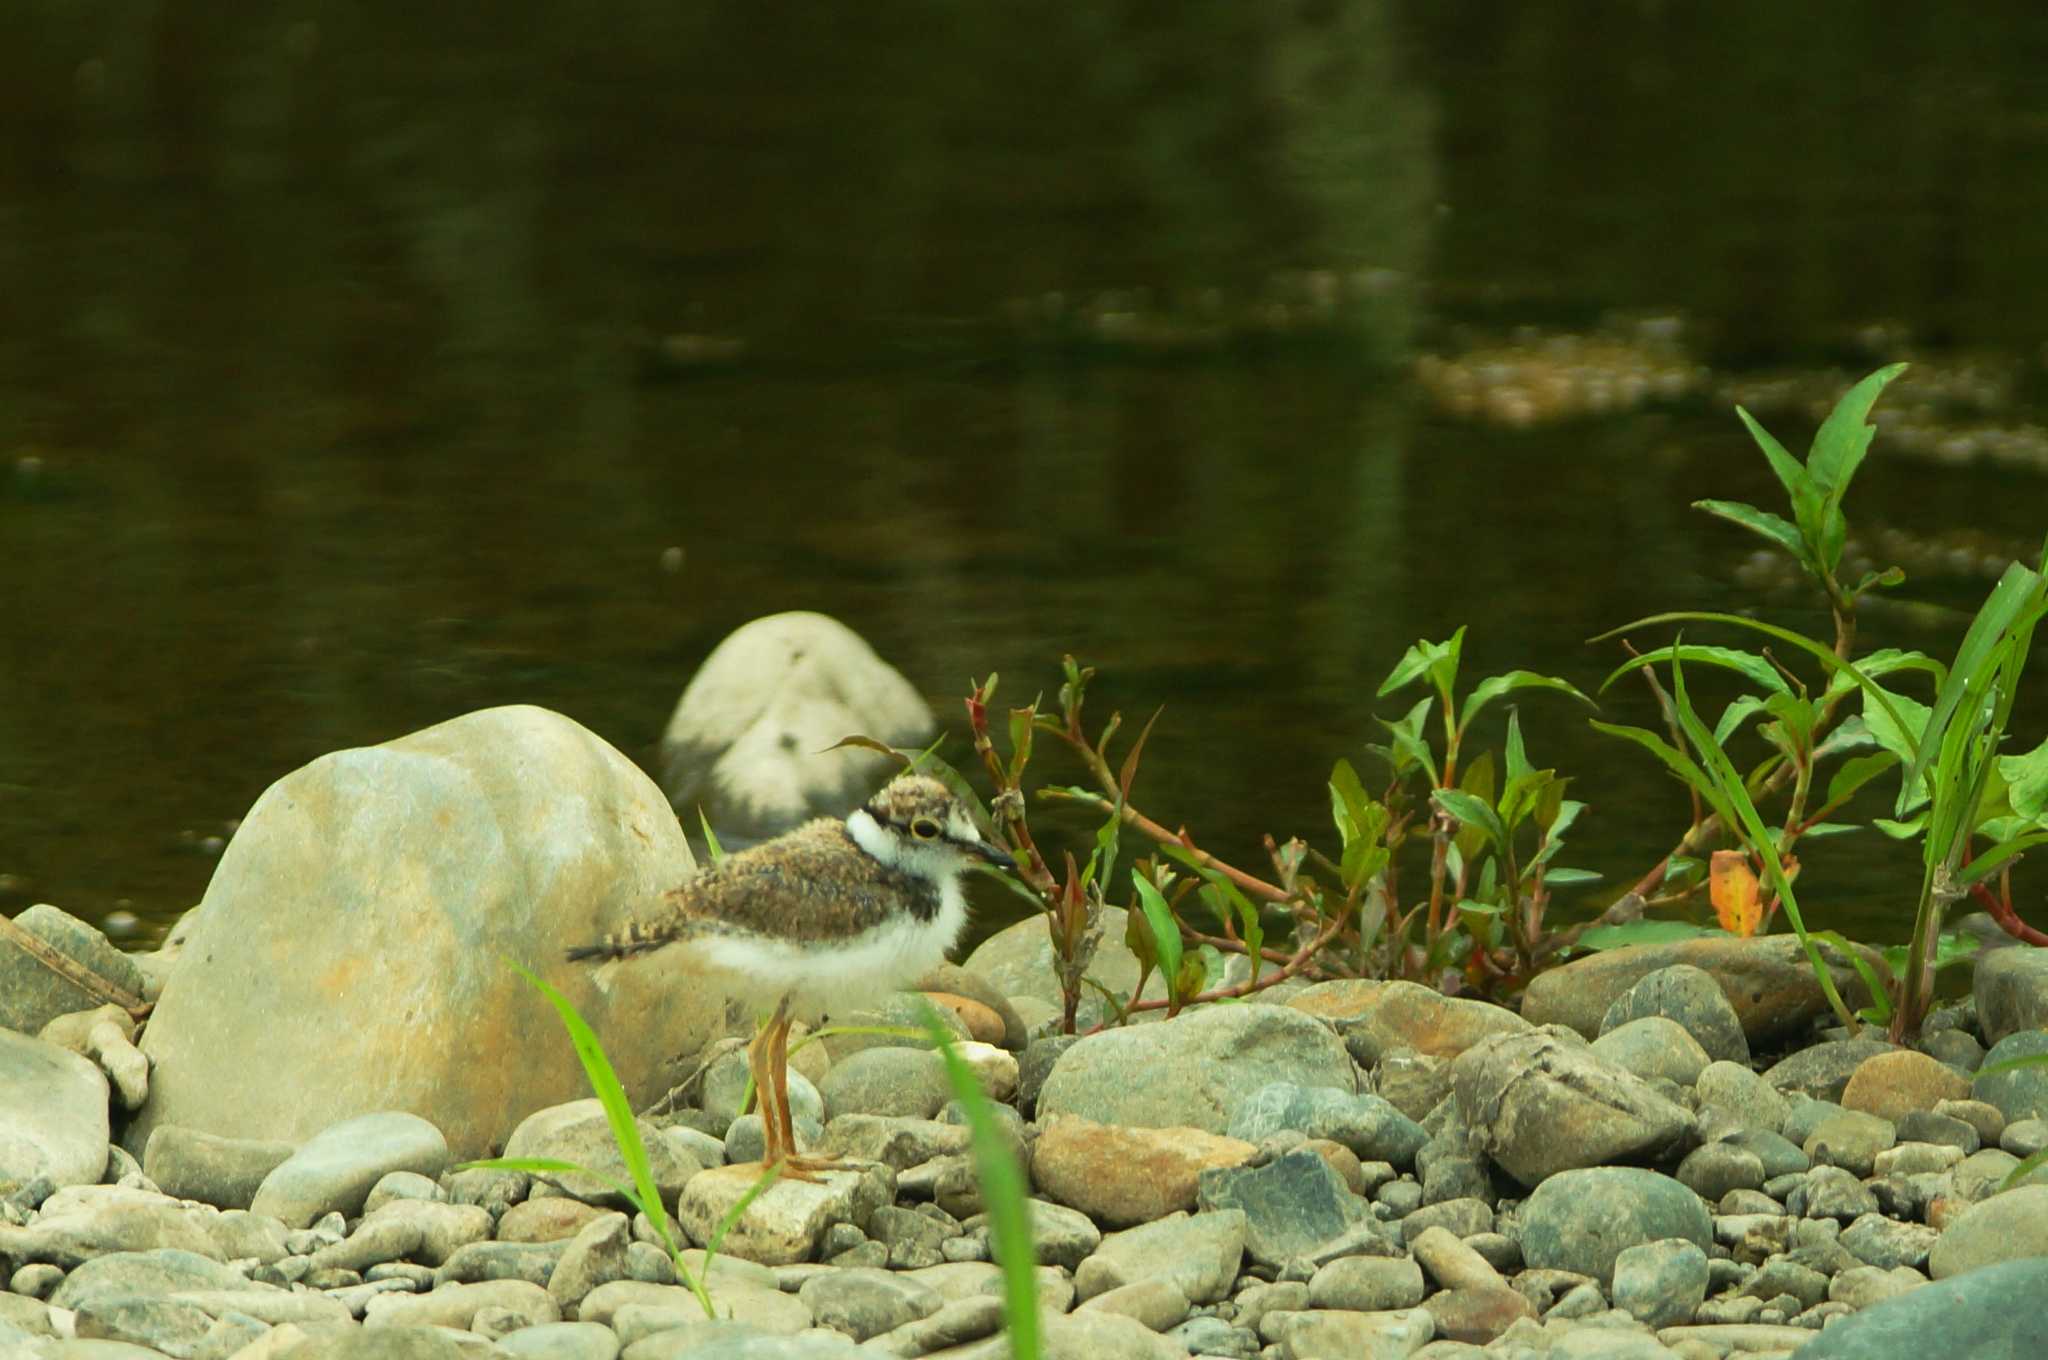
[[1293, 1205], [1850, 1140], [2005, 1227], [334, 1170], [788, 1220], [1766, 978], [1655, 1046], [1200, 1253], [1689, 997], [1125, 1176], [596, 1255], [553, 1218], [1370, 1127], [354, 934], [1823, 1070], [1881, 1242], [1367, 1284], [895, 1141], [865, 1303], [1993, 1311], [906, 1083], [1331, 1334], [1538, 1106], [953, 980], [533, 1262], [32, 994], [562, 1341], [1477, 1313], [1375, 1018], [1156, 1302], [156, 1272], [1582, 1220], [455, 1305], [1740, 1095], [53, 1113], [956, 1321], [1713, 1169], [1891, 1085], [1660, 1283], [68, 1233], [1096, 1335], [1194, 1070], [579, 1131]]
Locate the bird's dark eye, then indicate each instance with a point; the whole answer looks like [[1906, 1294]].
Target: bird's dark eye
[[924, 828]]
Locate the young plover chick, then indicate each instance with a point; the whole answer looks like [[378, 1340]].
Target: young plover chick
[[820, 919]]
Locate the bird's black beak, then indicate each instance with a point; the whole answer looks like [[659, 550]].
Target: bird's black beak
[[995, 855]]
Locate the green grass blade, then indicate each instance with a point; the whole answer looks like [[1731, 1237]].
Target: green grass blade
[[769, 1175], [1165, 930], [618, 1113], [2007, 610], [1002, 1189]]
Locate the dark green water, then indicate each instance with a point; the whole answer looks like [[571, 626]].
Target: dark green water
[[340, 394]]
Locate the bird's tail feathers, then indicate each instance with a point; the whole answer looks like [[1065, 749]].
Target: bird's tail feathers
[[636, 937]]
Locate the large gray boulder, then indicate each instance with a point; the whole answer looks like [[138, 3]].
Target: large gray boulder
[[351, 952], [748, 741]]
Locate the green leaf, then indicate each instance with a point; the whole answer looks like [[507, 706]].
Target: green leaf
[[1902, 830], [1644, 932], [1992, 860], [1002, 1190], [711, 845], [1570, 878], [1773, 527], [1517, 755], [1821, 831], [1823, 654], [1165, 932], [1882, 662], [1021, 727], [1838, 450], [1471, 811], [1790, 473], [1491, 688], [1410, 746], [2026, 779], [1438, 660], [2013, 605], [1348, 801], [1880, 1003], [1898, 729], [1756, 669], [1853, 774], [1745, 707]]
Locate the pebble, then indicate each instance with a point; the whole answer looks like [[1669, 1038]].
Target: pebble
[[335, 1169]]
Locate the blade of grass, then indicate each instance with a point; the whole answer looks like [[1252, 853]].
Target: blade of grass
[[618, 1113], [1002, 1189]]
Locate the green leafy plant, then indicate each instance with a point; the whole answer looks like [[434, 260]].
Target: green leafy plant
[[1493, 847], [1955, 788], [642, 1194]]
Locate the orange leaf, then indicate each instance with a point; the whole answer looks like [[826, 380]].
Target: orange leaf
[[1733, 889]]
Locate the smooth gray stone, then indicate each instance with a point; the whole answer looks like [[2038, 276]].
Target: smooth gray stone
[[1582, 1220], [1292, 1205], [1690, 997], [53, 1114], [1989, 1314], [335, 1168], [223, 1172], [32, 994]]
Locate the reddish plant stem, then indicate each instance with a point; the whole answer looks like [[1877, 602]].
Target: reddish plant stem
[[1294, 965]]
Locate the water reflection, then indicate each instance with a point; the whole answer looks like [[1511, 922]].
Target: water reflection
[[365, 364]]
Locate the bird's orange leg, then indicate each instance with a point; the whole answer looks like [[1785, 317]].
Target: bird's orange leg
[[769, 1093]]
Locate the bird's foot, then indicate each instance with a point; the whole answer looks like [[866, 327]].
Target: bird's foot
[[801, 1168]]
